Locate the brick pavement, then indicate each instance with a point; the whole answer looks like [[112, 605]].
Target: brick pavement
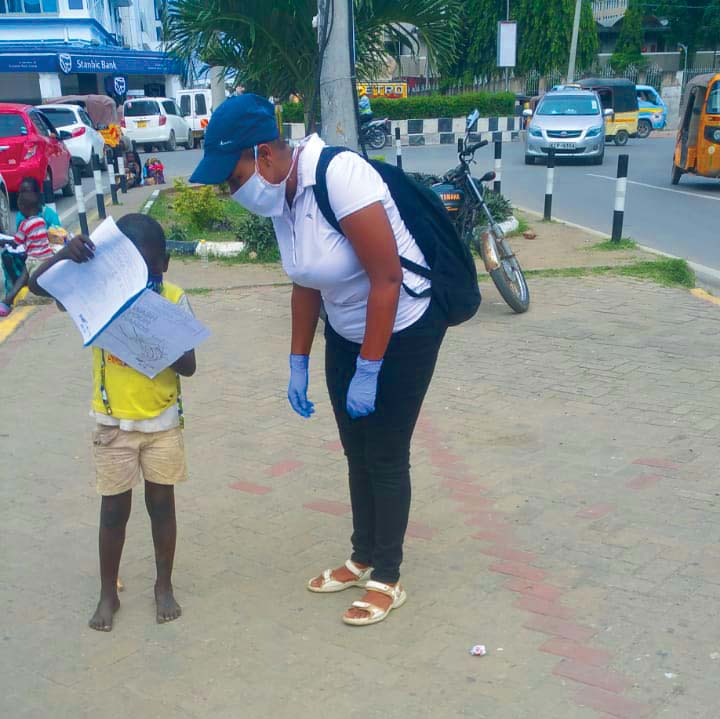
[[564, 514]]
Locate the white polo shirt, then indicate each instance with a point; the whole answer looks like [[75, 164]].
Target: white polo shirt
[[315, 255]]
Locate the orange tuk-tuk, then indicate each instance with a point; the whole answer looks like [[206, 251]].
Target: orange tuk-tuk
[[697, 148]]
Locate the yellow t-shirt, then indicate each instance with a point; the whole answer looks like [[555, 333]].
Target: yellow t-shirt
[[132, 395]]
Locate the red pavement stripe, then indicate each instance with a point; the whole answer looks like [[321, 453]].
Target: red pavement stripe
[[643, 481], [443, 457], [578, 653], [612, 704], [533, 589], [592, 676], [654, 462], [481, 519], [560, 628], [289, 465], [327, 507], [518, 570], [463, 486], [419, 531], [472, 500], [250, 488], [497, 534], [542, 606], [596, 511], [335, 446], [512, 555]]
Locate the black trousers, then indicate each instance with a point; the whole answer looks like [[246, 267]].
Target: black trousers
[[377, 447]]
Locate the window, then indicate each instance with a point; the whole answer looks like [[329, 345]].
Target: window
[[138, 108], [85, 118], [12, 125], [713, 104], [568, 106], [170, 108], [200, 104], [39, 124], [185, 104], [22, 7], [60, 116]]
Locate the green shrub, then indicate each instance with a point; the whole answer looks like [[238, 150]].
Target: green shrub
[[499, 206], [258, 235], [198, 207], [176, 233], [490, 104]]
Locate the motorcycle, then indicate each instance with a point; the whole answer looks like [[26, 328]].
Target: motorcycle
[[464, 198], [374, 133]]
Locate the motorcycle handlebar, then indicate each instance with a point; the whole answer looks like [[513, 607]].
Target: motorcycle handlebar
[[474, 148]]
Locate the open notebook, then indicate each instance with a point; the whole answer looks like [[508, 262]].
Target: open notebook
[[108, 300]]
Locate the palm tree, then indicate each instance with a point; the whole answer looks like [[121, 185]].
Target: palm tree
[[273, 47]]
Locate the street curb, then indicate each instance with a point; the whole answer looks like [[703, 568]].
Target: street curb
[[707, 275]]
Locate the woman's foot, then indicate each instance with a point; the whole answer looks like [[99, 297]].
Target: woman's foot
[[5, 309], [102, 620], [352, 574], [379, 600]]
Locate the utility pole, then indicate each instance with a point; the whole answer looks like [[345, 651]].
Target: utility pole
[[507, 69], [574, 44], [337, 92], [217, 86]]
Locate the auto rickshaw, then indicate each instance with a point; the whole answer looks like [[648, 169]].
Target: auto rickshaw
[[620, 96], [697, 148], [104, 113]]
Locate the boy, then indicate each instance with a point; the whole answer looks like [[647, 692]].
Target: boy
[[138, 431], [31, 240]]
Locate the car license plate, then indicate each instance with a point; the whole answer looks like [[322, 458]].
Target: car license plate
[[141, 123], [562, 145]]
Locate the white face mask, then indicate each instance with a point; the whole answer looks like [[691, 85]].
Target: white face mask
[[261, 197]]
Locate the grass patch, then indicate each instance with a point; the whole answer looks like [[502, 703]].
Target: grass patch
[[609, 246], [666, 272], [201, 291], [523, 226]]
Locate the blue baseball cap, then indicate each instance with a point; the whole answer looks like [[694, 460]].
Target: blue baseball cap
[[240, 122]]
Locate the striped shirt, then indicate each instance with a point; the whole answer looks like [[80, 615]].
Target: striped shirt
[[32, 236]]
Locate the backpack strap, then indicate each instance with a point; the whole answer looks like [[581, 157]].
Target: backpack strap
[[322, 198]]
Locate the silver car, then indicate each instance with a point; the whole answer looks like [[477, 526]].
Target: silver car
[[570, 122]]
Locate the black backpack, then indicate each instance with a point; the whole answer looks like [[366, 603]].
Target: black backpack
[[452, 268]]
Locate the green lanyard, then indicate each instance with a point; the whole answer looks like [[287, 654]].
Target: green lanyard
[[106, 399]]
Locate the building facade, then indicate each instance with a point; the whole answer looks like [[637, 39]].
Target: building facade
[[50, 48]]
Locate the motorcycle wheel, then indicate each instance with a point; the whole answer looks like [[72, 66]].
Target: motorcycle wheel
[[509, 278], [376, 139]]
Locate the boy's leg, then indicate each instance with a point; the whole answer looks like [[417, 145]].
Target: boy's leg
[[162, 458], [114, 515], [160, 503]]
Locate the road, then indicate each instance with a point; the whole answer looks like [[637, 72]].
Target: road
[[682, 220]]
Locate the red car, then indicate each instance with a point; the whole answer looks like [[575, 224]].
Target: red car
[[31, 147]]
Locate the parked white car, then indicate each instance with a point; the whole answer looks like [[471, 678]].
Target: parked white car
[[6, 224], [196, 108], [152, 121], [84, 137]]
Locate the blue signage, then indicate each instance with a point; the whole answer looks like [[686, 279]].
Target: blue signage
[[121, 62]]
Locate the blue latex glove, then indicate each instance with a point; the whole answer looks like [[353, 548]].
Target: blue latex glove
[[297, 389], [363, 388]]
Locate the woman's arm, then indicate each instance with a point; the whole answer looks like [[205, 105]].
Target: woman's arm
[[370, 233], [305, 306]]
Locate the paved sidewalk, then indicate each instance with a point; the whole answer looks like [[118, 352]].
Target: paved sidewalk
[[565, 514]]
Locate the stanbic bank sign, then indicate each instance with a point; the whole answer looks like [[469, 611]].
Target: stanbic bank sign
[[85, 63]]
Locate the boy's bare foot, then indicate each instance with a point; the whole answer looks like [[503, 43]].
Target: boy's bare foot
[[167, 608], [102, 620]]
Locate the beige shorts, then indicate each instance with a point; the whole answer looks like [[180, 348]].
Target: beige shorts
[[121, 458]]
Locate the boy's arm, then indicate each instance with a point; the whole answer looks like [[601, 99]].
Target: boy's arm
[[79, 249]]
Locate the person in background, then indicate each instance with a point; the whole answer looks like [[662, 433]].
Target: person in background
[[31, 241], [382, 335], [31, 185], [366, 113], [138, 433]]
